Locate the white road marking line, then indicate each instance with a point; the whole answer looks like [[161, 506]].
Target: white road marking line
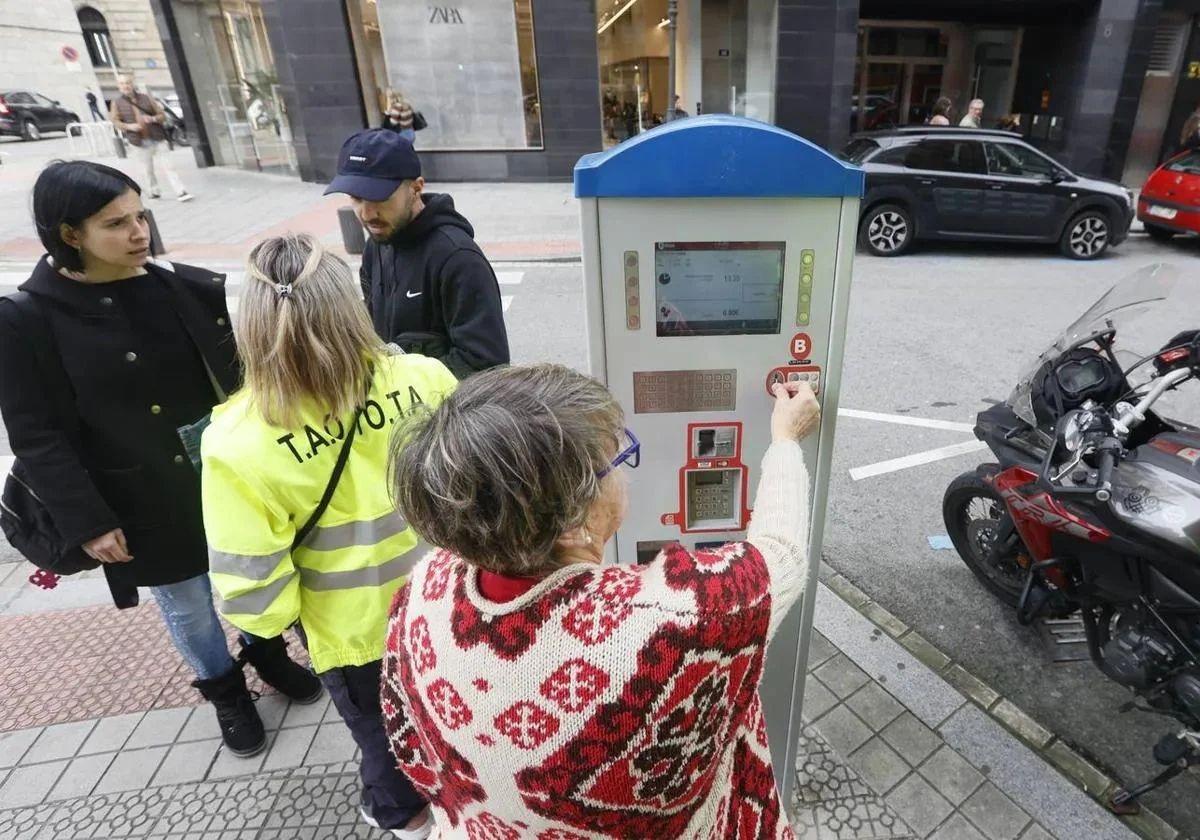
[[505, 302], [509, 278], [14, 278], [6, 462], [916, 459], [904, 420]]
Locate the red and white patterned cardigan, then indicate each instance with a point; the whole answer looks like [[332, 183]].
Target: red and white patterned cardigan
[[614, 701]]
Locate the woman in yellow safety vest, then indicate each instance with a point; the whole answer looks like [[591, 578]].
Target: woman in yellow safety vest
[[297, 511]]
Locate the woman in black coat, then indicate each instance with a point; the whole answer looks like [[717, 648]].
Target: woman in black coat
[[146, 347]]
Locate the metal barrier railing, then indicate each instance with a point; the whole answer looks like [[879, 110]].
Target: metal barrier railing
[[94, 139]]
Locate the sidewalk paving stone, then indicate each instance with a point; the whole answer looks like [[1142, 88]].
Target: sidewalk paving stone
[[875, 706], [290, 747], [922, 807], [994, 813], [957, 828], [306, 714], [843, 730], [841, 676], [817, 699], [30, 784], [1036, 832], [951, 775], [332, 743], [111, 733], [13, 745], [229, 765], [201, 725], [187, 762], [131, 770], [912, 739], [81, 776], [158, 727], [879, 765], [61, 740]]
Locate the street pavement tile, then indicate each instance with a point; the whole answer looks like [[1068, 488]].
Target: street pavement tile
[[187, 762], [61, 740], [201, 725], [131, 770], [841, 676], [819, 650], [1036, 832], [81, 776], [821, 776], [868, 818], [817, 699], [922, 807], [306, 714], [228, 765], [912, 739], [874, 705], [951, 774], [957, 828], [220, 807], [879, 765], [111, 733], [290, 747], [28, 785], [843, 730], [303, 801], [116, 815], [333, 742], [25, 823], [995, 814], [272, 708], [14, 744], [157, 728]]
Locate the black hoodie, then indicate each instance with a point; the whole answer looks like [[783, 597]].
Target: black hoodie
[[430, 290]]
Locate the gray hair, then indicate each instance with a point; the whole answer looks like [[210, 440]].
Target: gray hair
[[507, 464]]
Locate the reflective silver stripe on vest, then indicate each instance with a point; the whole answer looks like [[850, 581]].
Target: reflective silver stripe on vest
[[362, 532], [247, 566], [395, 568], [256, 601]]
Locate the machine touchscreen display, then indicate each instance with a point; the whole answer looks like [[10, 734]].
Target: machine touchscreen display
[[718, 288]]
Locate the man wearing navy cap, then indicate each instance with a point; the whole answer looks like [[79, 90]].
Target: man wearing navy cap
[[427, 285]]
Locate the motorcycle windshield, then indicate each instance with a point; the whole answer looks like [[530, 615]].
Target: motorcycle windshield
[[1118, 308]]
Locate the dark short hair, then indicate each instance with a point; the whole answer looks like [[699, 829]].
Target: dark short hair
[[69, 192], [506, 464]]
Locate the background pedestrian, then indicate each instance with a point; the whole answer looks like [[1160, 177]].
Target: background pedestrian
[[141, 119], [942, 110], [974, 116]]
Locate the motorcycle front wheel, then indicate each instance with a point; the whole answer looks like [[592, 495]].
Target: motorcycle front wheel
[[973, 513]]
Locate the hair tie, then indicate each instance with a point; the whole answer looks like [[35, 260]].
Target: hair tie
[[284, 290]]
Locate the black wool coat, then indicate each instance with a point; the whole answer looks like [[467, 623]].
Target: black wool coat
[[125, 466]]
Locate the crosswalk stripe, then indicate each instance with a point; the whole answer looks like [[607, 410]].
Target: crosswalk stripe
[[6, 462], [509, 278], [506, 301]]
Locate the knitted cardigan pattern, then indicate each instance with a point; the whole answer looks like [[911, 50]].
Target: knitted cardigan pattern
[[607, 701]]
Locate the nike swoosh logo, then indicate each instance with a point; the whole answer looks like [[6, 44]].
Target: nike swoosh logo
[[413, 295]]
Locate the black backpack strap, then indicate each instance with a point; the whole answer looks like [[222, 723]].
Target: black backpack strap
[[335, 476]]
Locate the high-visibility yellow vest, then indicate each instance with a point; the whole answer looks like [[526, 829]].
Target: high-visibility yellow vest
[[261, 483]]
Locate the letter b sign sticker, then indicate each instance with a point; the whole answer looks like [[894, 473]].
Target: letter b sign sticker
[[801, 347]]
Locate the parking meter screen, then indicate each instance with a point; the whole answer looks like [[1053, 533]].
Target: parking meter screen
[[718, 288]]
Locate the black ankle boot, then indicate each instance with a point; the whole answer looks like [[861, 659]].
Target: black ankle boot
[[291, 679], [241, 727]]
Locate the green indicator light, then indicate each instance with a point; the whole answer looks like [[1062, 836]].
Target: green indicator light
[[806, 279], [804, 298], [807, 257]]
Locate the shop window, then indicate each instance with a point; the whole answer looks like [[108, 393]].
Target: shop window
[[96, 37], [469, 70]]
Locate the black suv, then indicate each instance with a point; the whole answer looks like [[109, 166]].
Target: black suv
[[980, 185], [29, 115]]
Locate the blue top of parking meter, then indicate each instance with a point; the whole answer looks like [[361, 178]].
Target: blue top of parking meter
[[716, 156]]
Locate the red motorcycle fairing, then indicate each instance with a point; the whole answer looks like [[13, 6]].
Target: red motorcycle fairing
[[1037, 513]]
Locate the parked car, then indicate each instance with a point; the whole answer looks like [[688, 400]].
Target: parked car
[[1170, 200], [978, 185], [29, 115]]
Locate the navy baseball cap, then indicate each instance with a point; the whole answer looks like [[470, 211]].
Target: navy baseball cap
[[373, 163]]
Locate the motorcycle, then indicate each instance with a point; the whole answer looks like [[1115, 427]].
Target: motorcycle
[[1093, 507]]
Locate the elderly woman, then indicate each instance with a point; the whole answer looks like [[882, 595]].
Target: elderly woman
[[531, 692]]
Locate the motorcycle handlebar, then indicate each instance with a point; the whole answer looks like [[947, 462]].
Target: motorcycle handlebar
[[1108, 460]]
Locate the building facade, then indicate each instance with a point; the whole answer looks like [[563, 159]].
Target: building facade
[[122, 37], [44, 53], [519, 89]]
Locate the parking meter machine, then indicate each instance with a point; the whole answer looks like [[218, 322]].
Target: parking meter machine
[[717, 255]]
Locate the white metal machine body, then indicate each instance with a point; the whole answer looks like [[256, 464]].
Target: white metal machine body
[[717, 255]]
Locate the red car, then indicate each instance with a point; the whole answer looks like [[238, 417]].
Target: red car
[[1170, 200]]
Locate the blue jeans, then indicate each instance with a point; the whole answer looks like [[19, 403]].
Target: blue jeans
[[408, 134], [187, 608]]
